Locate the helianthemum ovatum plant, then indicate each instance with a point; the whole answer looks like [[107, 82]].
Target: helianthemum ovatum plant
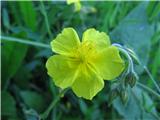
[[83, 65]]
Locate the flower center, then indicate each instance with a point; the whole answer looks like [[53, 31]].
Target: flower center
[[85, 52]]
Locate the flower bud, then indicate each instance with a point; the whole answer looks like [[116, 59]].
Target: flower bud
[[113, 95], [131, 79], [124, 96]]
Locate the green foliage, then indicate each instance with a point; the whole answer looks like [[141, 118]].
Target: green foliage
[[27, 90], [8, 104], [134, 28], [28, 14], [153, 10], [33, 100], [138, 104], [11, 58], [5, 20]]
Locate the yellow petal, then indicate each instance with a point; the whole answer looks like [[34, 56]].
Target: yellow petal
[[72, 1], [62, 70], [77, 6], [99, 39], [88, 83], [66, 42], [109, 63]]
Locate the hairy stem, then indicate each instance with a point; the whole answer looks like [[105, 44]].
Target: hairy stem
[[144, 67]]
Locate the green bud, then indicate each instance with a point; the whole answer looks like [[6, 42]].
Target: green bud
[[131, 79], [113, 94], [124, 96], [134, 79]]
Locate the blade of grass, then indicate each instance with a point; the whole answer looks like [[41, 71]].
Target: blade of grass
[[45, 18], [28, 14]]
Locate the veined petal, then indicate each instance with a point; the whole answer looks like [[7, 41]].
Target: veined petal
[[62, 70], [66, 42], [99, 39], [88, 83], [109, 63]]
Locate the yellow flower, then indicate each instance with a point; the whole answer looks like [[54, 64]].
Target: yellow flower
[[77, 4], [83, 65]]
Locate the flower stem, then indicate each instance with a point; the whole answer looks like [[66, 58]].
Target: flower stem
[[149, 90], [44, 115], [28, 42]]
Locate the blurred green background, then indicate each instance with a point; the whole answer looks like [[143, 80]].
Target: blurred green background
[[27, 90]]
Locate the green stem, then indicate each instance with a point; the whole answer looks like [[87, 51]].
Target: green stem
[[44, 115], [46, 19], [151, 77], [28, 42], [149, 90], [121, 49], [145, 68]]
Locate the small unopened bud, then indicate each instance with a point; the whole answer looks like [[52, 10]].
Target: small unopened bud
[[124, 96], [113, 95], [131, 79]]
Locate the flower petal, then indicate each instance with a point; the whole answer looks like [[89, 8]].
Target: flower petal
[[88, 83], [62, 70], [109, 63], [77, 6], [66, 42], [100, 39], [72, 1]]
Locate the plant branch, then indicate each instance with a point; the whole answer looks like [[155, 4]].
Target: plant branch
[[44, 115], [144, 67], [28, 42]]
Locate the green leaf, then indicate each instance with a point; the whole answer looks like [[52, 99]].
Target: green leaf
[[83, 106], [6, 21], [28, 14], [153, 9], [8, 105], [135, 109], [31, 115], [34, 100], [12, 57], [155, 63], [135, 32], [109, 11], [14, 10], [22, 73]]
